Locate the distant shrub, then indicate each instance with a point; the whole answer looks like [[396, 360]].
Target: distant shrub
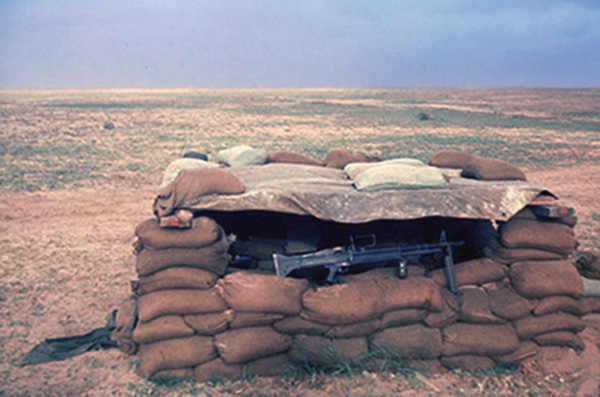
[[109, 125], [422, 116]]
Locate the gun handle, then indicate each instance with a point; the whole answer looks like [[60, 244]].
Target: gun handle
[[333, 269], [450, 274]]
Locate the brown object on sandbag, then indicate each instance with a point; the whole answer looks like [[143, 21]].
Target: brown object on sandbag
[[204, 232], [560, 338], [298, 325], [412, 341], [268, 366], [292, 158], [450, 311], [531, 326], [534, 279], [249, 292], [474, 272], [410, 293], [193, 183], [474, 307], [484, 169], [507, 256], [506, 303], [210, 324], [326, 352], [588, 264], [174, 353], [246, 344], [553, 304], [247, 319], [479, 339], [175, 278], [450, 159], [165, 327], [353, 330], [549, 236], [339, 158], [125, 321], [526, 349], [399, 318], [216, 369], [184, 301], [468, 362]]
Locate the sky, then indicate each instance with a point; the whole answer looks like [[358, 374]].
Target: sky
[[88, 44]]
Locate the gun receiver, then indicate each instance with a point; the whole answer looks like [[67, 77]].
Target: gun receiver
[[339, 259]]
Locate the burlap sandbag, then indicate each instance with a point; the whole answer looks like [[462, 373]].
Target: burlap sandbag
[[183, 301], [507, 256], [506, 303], [352, 170], [411, 341], [449, 314], [327, 352], [410, 293], [476, 272], [547, 278], [526, 349], [339, 158], [248, 292], [174, 353], [292, 158], [165, 327], [211, 323], [589, 305], [381, 273], [399, 318], [492, 170], [531, 326], [469, 362], [268, 366], [353, 330], [175, 278], [216, 369], [549, 236], [479, 339], [591, 287], [588, 264], [298, 325], [204, 232], [553, 304], [527, 213], [246, 344], [179, 165], [450, 159], [560, 338], [125, 321], [242, 155], [248, 319], [474, 307], [399, 176]]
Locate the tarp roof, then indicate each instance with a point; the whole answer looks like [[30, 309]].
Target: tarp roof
[[327, 194]]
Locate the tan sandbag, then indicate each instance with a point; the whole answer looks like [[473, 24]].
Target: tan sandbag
[[531, 326], [192, 184], [176, 166], [479, 339], [204, 232], [211, 323], [125, 321], [175, 278], [534, 279], [588, 264], [411, 341], [339, 158], [216, 369], [527, 213], [450, 311], [292, 158], [468, 362], [170, 374], [553, 304], [353, 330], [589, 305], [248, 319], [591, 287], [549, 236], [184, 301], [504, 302], [399, 176], [298, 325], [474, 272], [411, 293], [268, 366], [450, 159], [560, 338], [327, 352], [246, 344], [497, 252], [475, 309], [174, 353], [352, 170], [492, 170], [526, 349], [242, 155], [165, 327], [398, 318]]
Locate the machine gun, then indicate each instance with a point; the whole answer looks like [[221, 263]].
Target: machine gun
[[338, 260]]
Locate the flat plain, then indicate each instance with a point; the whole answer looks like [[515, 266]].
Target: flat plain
[[80, 169]]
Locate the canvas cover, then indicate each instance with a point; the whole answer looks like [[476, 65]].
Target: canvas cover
[[327, 193]]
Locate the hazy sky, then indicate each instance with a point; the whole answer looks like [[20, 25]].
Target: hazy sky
[[305, 43]]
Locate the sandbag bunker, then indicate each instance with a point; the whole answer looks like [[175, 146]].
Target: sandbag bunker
[[210, 303]]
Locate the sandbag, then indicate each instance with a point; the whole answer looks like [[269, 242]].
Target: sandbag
[[410, 293], [450, 159], [398, 318], [204, 232], [175, 278], [589, 305], [468, 362], [211, 323], [216, 369], [507, 256], [191, 184], [249, 292], [174, 353], [479, 339], [242, 319], [398, 176], [411, 341], [246, 344], [352, 170], [339, 158], [527, 213], [541, 279], [292, 158], [326, 352], [242, 155], [591, 287], [178, 165], [268, 366], [549, 236], [165, 327], [492, 170], [449, 314], [475, 309], [506, 303], [353, 330], [526, 349], [125, 321], [588, 264], [190, 301], [531, 326], [560, 338], [474, 272], [298, 325], [553, 304]]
